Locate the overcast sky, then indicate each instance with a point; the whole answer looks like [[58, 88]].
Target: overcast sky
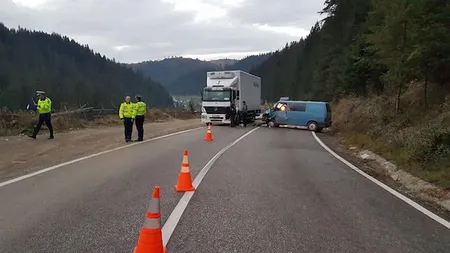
[[138, 30]]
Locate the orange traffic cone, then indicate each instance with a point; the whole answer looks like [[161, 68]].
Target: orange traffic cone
[[208, 136], [150, 239], [184, 180]]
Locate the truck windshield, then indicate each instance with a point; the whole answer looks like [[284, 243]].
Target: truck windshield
[[216, 95]]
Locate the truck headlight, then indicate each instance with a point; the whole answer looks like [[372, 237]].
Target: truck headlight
[[203, 110]]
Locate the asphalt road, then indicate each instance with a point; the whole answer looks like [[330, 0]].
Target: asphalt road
[[276, 190]]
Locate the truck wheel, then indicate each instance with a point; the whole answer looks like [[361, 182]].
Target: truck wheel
[[313, 126]]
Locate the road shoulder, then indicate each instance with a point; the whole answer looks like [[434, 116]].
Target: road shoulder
[[378, 172], [21, 155]]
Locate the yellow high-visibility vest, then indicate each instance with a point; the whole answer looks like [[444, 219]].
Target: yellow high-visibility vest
[[44, 106], [126, 110], [140, 108]]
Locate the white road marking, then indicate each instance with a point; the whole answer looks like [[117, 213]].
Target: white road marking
[[420, 208], [14, 180], [175, 216]]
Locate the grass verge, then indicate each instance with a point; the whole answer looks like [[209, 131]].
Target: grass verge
[[417, 139], [23, 122]]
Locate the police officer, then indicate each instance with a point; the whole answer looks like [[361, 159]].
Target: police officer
[[140, 109], [44, 107], [244, 113], [126, 114]]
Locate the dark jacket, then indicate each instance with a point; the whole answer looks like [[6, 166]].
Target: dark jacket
[[230, 111]]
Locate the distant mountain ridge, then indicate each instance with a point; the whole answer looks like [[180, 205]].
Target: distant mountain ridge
[[187, 76], [224, 62]]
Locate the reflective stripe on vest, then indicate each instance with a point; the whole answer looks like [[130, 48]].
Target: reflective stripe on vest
[[126, 110], [141, 108]]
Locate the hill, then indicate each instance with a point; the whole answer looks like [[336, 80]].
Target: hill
[[186, 76], [193, 82], [71, 74], [167, 70], [223, 63], [385, 64]]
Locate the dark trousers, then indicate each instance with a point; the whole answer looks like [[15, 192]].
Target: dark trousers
[[233, 119], [140, 127], [128, 125], [244, 118], [47, 118]]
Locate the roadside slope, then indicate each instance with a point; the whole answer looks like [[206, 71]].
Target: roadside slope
[[21, 155]]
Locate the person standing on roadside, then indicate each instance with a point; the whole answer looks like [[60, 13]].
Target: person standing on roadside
[[244, 113], [140, 109], [233, 115], [126, 114], [44, 107]]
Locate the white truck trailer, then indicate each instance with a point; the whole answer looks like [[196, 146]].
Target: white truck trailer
[[223, 88]]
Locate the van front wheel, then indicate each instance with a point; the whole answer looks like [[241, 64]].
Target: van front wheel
[[313, 126]]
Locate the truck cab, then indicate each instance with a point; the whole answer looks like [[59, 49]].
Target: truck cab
[[216, 102], [226, 87]]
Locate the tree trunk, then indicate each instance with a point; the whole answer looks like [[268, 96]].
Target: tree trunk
[[402, 79], [425, 88], [397, 102]]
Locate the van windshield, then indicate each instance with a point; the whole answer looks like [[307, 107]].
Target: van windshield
[[280, 107], [216, 95]]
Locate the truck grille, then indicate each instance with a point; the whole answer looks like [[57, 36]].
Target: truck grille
[[215, 110]]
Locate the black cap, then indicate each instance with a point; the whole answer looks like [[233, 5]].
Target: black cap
[[138, 96]]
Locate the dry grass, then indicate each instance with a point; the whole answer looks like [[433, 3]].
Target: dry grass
[[24, 122], [417, 139]]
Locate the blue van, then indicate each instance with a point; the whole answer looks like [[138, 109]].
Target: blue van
[[313, 115]]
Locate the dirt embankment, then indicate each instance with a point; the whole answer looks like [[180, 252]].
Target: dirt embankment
[[21, 155], [416, 141]]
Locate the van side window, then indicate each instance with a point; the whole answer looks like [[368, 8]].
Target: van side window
[[298, 107]]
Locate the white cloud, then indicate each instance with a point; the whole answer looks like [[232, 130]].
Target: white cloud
[[289, 30], [203, 11], [122, 48], [137, 30], [30, 3]]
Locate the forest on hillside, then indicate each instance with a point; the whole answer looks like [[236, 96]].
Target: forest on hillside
[[167, 70], [71, 74], [193, 82], [186, 76], [385, 66], [364, 47]]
